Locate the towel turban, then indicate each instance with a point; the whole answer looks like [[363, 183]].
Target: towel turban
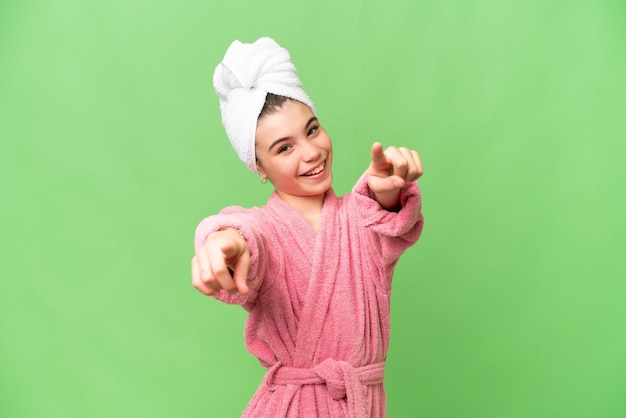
[[242, 81]]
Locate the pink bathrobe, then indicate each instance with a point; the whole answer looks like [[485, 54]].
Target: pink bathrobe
[[319, 308]]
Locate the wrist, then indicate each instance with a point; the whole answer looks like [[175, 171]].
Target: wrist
[[389, 200]]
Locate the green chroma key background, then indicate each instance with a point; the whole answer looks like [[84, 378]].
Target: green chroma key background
[[512, 305]]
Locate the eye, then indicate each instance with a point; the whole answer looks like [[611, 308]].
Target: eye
[[284, 148], [313, 130]]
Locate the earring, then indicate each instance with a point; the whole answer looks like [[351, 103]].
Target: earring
[[263, 180]]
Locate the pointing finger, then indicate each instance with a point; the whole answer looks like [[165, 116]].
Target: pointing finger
[[379, 160], [220, 268]]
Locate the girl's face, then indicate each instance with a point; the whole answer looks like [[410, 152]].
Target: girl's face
[[294, 152]]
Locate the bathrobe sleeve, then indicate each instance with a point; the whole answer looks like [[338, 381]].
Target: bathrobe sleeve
[[391, 232], [244, 221]]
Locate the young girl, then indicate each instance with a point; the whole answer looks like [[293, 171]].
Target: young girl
[[312, 269]]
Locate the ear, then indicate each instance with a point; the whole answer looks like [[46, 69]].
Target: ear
[[260, 171]]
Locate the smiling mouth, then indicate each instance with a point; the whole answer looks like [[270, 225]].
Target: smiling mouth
[[315, 171]]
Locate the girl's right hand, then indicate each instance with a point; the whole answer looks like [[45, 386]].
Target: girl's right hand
[[222, 262]]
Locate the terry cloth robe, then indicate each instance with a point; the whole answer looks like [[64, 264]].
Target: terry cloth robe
[[319, 306]]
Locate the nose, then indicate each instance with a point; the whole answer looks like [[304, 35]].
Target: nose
[[310, 151]]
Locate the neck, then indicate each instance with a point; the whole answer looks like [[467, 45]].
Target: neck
[[310, 207]]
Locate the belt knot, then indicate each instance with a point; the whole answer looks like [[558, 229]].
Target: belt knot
[[341, 379], [338, 375]]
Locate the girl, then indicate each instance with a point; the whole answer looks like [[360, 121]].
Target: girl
[[312, 269]]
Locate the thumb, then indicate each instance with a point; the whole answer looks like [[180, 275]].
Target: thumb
[[385, 184], [229, 249]]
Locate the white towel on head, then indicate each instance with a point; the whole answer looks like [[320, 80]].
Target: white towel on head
[[242, 80]]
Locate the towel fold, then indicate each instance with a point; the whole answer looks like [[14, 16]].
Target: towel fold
[[242, 80]]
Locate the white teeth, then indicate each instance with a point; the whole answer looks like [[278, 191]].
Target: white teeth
[[317, 171]]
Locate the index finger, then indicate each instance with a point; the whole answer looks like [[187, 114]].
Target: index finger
[[379, 160], [217, 260]]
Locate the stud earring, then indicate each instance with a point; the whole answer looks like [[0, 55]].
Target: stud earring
[[263, 180]]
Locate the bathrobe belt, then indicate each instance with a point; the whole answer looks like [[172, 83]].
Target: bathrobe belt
[[340, 377]]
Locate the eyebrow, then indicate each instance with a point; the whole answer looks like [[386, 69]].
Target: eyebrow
[[278, 141]]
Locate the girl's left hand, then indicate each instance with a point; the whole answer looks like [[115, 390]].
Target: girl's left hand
[[390, 170]]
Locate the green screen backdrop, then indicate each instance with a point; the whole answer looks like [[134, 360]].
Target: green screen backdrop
[[513, 303]]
